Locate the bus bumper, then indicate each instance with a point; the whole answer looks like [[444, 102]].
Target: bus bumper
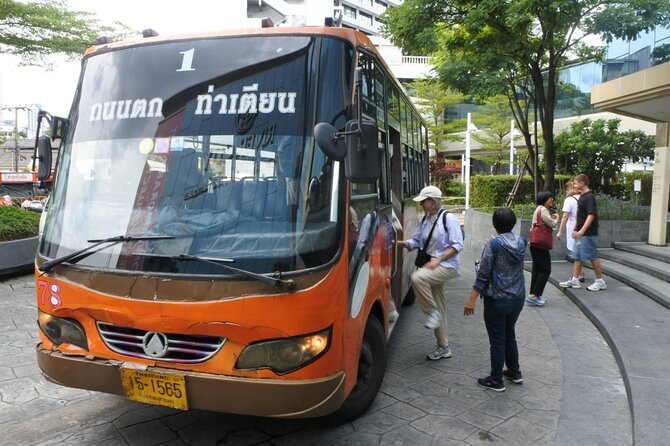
[[258, 397]]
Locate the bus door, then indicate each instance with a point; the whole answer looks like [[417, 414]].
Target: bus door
[[398, 288]]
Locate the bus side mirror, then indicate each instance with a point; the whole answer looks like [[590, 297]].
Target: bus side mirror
[[330, 141], [361, 165], [44, 157], [58, 127]]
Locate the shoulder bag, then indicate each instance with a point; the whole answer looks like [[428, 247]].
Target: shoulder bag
[[540, 234], [422, 256]]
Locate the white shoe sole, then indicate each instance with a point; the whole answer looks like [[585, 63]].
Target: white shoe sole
[[432, 358], [570, 286]]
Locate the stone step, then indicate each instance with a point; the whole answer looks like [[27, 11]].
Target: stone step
[[647, 265], [652, 287], [661, 253], [637, 329]]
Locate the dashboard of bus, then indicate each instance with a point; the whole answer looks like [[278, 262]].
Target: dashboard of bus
[[209, 143]]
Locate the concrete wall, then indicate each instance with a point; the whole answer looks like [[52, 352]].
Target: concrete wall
[[17, 256], [478, 229]]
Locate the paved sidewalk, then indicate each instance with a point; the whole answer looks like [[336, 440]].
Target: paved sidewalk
[[421, 402]]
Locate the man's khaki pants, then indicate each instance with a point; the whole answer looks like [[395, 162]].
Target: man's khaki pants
[[428, 286]]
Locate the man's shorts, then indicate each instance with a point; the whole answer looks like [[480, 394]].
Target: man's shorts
[[585, 248]]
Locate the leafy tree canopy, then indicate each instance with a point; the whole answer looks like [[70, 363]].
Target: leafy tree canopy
[[434, 100], [516, 47], [600, 150], [493, 120], [661, 54], [37, 29]]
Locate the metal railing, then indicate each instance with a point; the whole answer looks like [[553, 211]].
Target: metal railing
[[419, 60]]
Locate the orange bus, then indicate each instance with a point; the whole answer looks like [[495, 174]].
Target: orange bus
[[221, 231]]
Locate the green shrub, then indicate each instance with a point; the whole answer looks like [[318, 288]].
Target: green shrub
[[647, 179], [453, 201], [491, 191], [453, 189], [613, 208], [17, 223], [609, 208]]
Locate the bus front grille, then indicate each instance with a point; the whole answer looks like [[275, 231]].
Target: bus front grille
[[168, 347]]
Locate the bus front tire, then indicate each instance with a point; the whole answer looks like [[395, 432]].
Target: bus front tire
[[371, 366]]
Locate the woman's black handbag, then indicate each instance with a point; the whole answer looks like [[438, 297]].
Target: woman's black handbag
[[422, 256]]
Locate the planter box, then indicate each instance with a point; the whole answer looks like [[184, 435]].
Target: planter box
[[478, 229], [17, 256]]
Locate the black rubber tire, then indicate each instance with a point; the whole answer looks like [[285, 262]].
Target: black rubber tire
[[371, 367], [410, 297]]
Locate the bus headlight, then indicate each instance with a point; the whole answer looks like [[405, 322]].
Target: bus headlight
[[284, 355], [62, 331]]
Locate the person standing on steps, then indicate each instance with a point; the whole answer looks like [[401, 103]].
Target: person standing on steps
[[439, 240], [586, 237], [569, 218], [543, 220]]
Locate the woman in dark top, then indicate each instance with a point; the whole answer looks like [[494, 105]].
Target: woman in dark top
[[500, 283]]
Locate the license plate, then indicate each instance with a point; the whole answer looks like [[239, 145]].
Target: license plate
[[155, 388]]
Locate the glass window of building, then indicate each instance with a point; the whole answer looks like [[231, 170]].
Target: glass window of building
[[365, 19]]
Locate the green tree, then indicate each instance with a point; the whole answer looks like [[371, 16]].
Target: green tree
[[661, 54], [38, 29], [434, 100], [494, 138], [600, 150], [516, 47]]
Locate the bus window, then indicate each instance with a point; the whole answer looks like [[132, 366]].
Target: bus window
[[393, 107], [403, 122], [367, 84], [363, 207], [405, 171], [384, 184], [379, 96]]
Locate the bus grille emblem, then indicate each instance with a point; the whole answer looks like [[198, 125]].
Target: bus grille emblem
[[155, 344]]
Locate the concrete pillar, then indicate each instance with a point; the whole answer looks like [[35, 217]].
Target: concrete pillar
[[660, 191]]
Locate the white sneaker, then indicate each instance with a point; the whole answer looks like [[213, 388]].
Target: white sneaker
[[433, 320], [439, 353], [598, 285], [572, 283]]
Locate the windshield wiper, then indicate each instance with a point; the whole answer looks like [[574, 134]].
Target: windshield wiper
[[275, 279], [85, 252]]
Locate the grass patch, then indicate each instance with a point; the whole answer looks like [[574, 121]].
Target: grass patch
[[17, 223]]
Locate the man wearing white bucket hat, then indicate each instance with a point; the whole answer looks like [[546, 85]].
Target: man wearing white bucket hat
[[439, 240]]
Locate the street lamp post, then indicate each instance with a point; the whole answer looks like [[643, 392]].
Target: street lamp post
[[17, 149], [470, 128]]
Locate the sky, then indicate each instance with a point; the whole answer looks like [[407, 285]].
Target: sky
[[54, 89]]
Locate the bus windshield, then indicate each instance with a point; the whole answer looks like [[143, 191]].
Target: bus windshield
[[209, 142]]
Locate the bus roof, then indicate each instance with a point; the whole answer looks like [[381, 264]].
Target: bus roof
[[355, 37]]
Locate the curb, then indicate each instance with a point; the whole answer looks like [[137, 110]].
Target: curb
[[17, 257]]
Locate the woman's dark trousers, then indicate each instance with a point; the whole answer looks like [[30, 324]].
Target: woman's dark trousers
[[541, 270], [500, 316]]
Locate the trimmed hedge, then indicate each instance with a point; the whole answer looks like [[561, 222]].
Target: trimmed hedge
[[644, 196], [492, 190], [17, 223]]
